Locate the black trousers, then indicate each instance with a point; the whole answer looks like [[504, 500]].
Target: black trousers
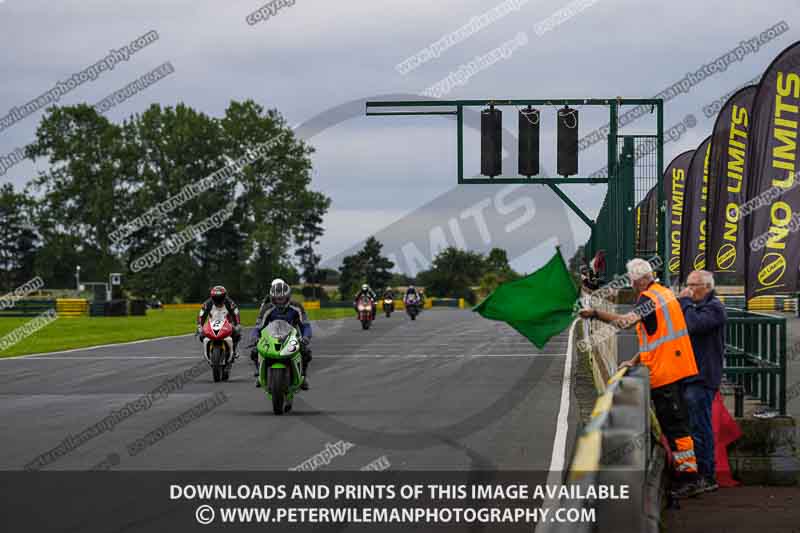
[[671, 411], [673, 417]]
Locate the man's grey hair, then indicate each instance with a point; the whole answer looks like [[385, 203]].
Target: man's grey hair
[[706, 277], [638, 268]]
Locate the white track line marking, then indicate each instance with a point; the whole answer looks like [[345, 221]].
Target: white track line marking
[[347, 356], [108, 357], [560, 441], [554, 476], [526, 345], [93, 347], [73, 350], [437, 356]]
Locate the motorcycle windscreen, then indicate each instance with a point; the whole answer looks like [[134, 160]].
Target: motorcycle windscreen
[[217, 318], [280, 329]]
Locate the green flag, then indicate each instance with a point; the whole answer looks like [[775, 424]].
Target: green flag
[[539, 306]]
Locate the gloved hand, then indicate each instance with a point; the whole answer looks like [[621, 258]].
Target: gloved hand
[[199, 332], [254, 355], [305, 341], [237, 329]]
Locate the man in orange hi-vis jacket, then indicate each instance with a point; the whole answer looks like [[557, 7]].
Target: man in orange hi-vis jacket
[[665, 348]]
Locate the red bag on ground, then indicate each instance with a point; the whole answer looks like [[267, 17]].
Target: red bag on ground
[[726, 431]]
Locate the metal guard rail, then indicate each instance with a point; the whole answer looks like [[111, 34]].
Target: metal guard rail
[[755, 355], [616, 447]]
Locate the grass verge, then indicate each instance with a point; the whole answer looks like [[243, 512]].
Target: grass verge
[[83, 332]]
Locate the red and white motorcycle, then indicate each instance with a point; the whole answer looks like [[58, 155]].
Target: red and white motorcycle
[[364, 309], [218, 344]]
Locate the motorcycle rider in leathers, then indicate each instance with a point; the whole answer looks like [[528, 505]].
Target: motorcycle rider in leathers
[[371, 296], [219, 298], [278, 306]]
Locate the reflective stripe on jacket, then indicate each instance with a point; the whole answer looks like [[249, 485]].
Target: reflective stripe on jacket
[[668, 351]]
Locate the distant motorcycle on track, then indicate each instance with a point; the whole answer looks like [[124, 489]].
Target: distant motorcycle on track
[[388, 306], [218, 344], [412, 306]]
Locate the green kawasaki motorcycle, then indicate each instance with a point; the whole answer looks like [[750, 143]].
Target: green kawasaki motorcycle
[[279, 364]]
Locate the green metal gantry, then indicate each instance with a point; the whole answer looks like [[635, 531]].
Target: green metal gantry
[[619, 180]]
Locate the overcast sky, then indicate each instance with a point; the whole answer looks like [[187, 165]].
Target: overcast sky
[[317, 55]]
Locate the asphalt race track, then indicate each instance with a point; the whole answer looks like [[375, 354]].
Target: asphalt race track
[[449, 391]]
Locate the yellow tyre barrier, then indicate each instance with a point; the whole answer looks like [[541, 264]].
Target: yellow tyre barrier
[[72, 307], [182, 306]]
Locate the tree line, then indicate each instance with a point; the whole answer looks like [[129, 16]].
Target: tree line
[[103, 175], [454, 273]]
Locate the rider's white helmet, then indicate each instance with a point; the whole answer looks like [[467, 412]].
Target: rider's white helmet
[[279, 293], [365, 287]]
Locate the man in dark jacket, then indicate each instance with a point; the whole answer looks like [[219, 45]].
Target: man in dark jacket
[[705, 319]]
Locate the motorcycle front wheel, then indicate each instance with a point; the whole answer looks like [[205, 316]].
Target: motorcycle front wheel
[[216, 363], [277, 388]]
